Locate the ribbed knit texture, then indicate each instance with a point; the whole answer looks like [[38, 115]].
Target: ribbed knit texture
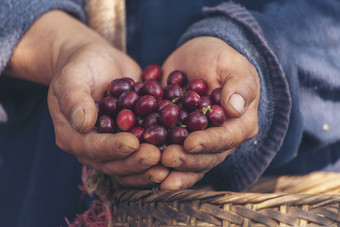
[[17, 16]]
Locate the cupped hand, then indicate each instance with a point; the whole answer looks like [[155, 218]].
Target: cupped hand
[[214, 61], [85, 65]]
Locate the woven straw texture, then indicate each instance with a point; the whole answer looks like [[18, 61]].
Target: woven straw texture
[[211, 208]]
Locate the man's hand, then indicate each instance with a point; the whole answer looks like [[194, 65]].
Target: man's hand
[[78, 65], [217, 63]]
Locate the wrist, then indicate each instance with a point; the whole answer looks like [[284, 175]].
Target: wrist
[[49, 41]]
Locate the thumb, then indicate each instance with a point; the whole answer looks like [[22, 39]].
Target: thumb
[[238, 92], [76, 105]]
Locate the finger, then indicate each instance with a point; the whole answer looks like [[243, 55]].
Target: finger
[[240, 89], [174, 156], [232, 133], [180, 180], [92, 145], [147, 156], [102, 147], [74, 98], [149, 178]]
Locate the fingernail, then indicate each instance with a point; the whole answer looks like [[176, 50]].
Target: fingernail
[[237, 102], [78, 116], [196, 149], [126, 150], [176, 163]]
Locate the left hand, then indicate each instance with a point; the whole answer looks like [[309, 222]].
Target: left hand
[[214, 61]]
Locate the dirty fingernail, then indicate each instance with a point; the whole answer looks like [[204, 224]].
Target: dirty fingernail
[[237, 102], [78, 116], [126, 150], [176, 163], [196, 149]]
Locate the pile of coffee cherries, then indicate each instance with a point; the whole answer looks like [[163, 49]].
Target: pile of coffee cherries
[[157, 115]]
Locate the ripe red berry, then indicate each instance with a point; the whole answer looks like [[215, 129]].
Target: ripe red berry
[[151, 119], [162, 146], [98, 107], [177, 77], [146, 104], [106, 124], [191, 100], [183, 116], [216, 96], [109, 105], [140, 121], [125, 120], [152, 71], [118, 86], [198, 85], [162, 103], [138, 132], [129, 80], [169, 115], [128, 99], [155, 134], [177, 135], [197, 121], [154, 88], [173, 92], [137, 87], [205, 101], [216, 115]]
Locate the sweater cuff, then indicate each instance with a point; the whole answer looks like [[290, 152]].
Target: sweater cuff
[[17, 16], [237, 27]]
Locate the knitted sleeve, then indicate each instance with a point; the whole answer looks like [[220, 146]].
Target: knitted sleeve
[[16, 16]]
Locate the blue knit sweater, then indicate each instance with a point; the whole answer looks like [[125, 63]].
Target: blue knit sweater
[[294, 45]]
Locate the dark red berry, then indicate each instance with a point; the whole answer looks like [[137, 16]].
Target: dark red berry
[[151, 119], [216, 96], [152, 71], [137, 87], [125, 120], [177, 77], [205, 101], [109, 105], [162, 146], [172, 92], [118, 86], [155, 134], [216, 115], [145, 104], [177, 135], [169, 115], [98, 107], [154, 88], [191, 100], [183, 116], [197, 121], [128, 99], [162, 103], [138, 132], [106, 124], [129, 80], [198, 85], [140, 121]]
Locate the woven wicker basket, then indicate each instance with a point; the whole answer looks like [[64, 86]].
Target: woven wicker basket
[[211, 208]]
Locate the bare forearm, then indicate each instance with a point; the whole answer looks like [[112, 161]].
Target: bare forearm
[[38, 52]]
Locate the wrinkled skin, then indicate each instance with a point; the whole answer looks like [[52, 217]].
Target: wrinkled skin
[[219, 65], [78, 64]]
